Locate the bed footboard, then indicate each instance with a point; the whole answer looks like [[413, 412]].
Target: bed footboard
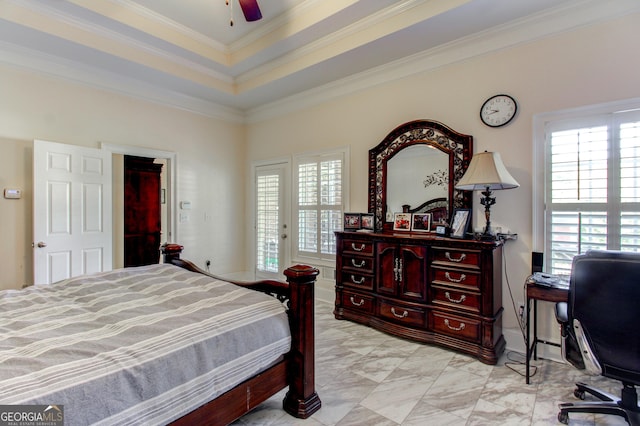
[[298, 293]]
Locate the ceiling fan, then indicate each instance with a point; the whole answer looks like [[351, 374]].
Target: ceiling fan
[[250, 9]]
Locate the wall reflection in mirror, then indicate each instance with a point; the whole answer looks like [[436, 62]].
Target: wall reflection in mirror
[[415, 175]]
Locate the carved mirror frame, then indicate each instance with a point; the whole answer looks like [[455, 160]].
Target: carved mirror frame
[[457, 146]]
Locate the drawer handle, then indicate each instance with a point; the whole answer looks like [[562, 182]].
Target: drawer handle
[[448, 296], [404, 314], [362, 246], [353, 280], [446, 322], [354, 303], [462, 257], [453, 280], [358, 265]]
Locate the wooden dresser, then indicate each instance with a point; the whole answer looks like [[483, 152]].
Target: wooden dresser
[[423, 287]]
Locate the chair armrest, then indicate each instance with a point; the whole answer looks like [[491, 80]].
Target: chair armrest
[[561, 312]]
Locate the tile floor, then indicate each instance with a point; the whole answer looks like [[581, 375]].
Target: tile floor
[[366, 377]]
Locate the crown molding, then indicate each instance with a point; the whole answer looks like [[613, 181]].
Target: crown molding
[[507, 36], [510, 35], [344, 39], [170, 63], [140, 18], [272, 26], [55, 67], [175, 26]]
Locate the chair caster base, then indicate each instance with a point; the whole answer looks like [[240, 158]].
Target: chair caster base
[[625, 407], [563, 417]]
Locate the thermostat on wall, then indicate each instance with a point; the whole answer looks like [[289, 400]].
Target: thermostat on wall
[[12, 193]]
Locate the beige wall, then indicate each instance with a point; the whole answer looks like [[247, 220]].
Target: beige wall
[[587, 66], [210, 165]]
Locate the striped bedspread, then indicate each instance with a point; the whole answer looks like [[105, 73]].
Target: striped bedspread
[[139, 345]]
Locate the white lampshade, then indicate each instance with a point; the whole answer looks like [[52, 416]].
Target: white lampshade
[[486, 170]]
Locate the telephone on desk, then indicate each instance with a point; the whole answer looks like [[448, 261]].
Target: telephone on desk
[[543, 279]]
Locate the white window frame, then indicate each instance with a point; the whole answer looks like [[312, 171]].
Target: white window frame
[[541, 122], [343, 153]]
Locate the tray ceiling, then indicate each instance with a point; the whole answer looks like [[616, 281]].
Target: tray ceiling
[[186, 53]]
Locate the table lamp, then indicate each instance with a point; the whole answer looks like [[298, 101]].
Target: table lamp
[[486, 173]]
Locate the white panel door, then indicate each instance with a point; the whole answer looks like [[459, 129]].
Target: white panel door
[[71, 211]]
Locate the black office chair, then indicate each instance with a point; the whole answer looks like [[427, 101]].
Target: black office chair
[[600, 330]]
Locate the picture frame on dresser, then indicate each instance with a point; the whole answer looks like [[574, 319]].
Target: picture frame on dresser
[[352, 221], [402, 222], [460, 221], [421, 222], [367, 221]]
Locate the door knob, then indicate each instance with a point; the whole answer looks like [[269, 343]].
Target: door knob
[[42, 244], [283, 236]]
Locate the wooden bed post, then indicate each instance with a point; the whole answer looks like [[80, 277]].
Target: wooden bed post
[[171, 252], [302, 400]]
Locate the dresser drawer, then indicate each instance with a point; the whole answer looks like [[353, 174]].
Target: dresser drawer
[[414, 317], [358, 302], [456, 298], [459, 257], [357, 280], [357, 263], [364, 248], [460, 327], [460, 278]]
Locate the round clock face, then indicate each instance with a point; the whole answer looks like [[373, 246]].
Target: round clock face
[[498, 110]]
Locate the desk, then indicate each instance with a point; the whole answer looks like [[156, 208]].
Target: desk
[[546, 294]]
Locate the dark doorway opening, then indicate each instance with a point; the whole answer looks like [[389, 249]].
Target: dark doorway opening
[[142, 211]]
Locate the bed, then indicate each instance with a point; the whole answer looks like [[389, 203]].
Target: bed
[[159, 344], [437, 207]]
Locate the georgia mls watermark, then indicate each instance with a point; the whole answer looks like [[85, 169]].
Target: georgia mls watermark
[[31, 415]]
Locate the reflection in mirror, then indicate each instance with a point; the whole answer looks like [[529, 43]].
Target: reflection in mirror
[[415, 175]]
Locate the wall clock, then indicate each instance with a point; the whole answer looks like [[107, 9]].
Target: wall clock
[[498, 110]]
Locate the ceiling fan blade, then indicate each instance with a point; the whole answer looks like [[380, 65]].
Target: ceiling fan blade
[[251, 10]]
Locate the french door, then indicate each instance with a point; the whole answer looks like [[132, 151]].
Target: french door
[[271, 220]]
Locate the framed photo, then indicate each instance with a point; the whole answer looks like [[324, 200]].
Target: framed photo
[[460, 222], [402, 222], [421, 222], [367, 221], [352, 221]]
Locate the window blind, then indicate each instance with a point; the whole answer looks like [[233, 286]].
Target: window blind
[[319, 181], [592, 193], [267, 222]]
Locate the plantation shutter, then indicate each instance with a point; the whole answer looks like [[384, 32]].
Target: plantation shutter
[[593, 187], [319, 182]]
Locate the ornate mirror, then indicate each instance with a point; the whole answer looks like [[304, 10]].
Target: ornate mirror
[[415, 169]]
